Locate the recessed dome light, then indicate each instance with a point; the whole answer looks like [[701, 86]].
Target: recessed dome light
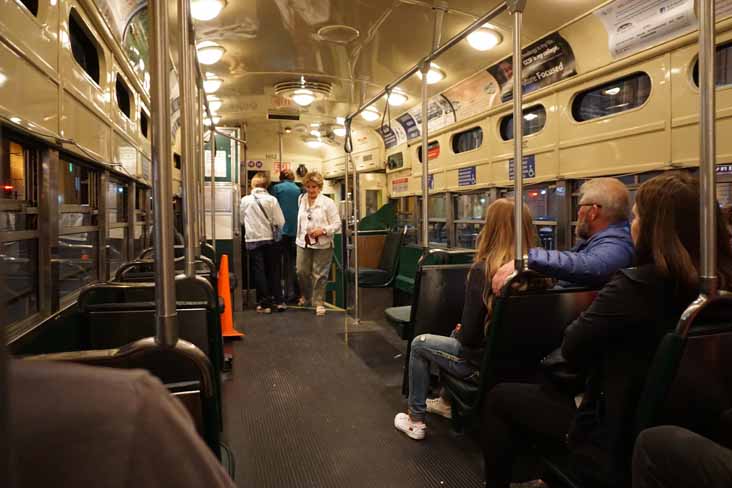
[[216, 119], [313, 142], [341, 120], [214, 103], [339, 131], [206, 9], [212, 84], [303, 97], [434, 75], [209, 52], [484, 39], [397, 98], [315, 133], [370, 114]]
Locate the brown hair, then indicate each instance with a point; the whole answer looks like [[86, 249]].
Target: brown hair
[[496, 239], [260, 180], [668, 234], [286, 174]]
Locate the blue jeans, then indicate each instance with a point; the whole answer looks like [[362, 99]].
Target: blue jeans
[[445, 352]]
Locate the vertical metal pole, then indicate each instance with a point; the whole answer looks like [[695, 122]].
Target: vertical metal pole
[[279, 144], [196, 141], [346, 258], [518, 134], [707, 202], [201, 167], [212, 145], [167, 326], [186, 128], [356, 218]]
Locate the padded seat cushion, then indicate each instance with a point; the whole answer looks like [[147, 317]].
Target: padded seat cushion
[[465, 390], [398, 315], [371, 277]]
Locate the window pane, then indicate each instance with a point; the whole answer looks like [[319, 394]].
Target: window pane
[[18, 172], [612, 97], [123, 96], [471, 207], [78, 185], [534, 121], [722, 66], [467, 235], [75, 258], [116, 202], [438, 233], [139, 239], [83, 46], [31, 5], [19, 260], [116, 248], [438, 207], [395, 161], [467, 140]]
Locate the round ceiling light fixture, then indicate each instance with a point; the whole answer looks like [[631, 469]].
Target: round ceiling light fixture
[[303, 92], [370, 114], [338, 34], [434, 75], [397, 98], [212, 83], [206, 10], [209, 52], [207, 122], [339, 131], [313, 142], [214, 103], [485, 38]]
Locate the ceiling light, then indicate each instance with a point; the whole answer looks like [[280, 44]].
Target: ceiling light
[[303, 97], [434, 75], [315, 133], [212, 84], [397, 98], [313, 142], [216, 119], [612, 91], [206, 9], [214, 103], [339, 131], [341, 120], [209, 52], [288, 130], [484, 39], [530, 117], [370, 114]]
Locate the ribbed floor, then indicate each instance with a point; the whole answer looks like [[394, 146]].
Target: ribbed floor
[[305, 408]]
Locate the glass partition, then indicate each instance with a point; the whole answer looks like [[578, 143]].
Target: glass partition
[[437, 225], [117, 226], [543, 202], [469, 214]]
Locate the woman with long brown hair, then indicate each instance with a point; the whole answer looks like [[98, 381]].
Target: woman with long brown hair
[[613, 342], [460, 354]]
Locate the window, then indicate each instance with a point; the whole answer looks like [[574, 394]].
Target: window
[[177, 160], [544, 204], [612, 98], [117, 227], [469, 217], [467, 140], [433, 150], [19, 184], [83, 46], [534, 121], [74, 258], [395, 161], [124, 99], [143, 124], [406, 214], [31, 5], [437, 227], [722, 66]]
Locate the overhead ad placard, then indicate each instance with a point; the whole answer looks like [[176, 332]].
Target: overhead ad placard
[[440, 114], [472, 96], [544, 62], [392, 134]]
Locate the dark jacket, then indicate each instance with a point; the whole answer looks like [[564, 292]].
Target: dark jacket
[[591, 262], [475, 315], [287, 194], [614, 340]]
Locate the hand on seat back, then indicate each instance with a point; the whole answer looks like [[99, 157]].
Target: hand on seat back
[[501, 276]]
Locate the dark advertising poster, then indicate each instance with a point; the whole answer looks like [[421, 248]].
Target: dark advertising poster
[[410, 125], [544, 62], [388, 135]]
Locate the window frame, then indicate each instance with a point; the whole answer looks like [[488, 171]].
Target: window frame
[[506, 117], [694, 67], [601, 85], [120, 81], [453, 139], [430, 144], [76, 16]]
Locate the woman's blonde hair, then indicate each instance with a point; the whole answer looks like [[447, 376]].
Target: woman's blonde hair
[[496, 240], [260, 180], [313, 177]]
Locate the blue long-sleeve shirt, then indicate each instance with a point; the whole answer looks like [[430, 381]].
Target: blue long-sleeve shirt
[[591, 262], [287, 194]]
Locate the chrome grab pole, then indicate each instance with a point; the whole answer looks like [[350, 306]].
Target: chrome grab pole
[[212, 145], [196, 141], [356, 217], [166, 319], [707, 203], [348, 147], [516, 9], [186, 128], [201, 168]]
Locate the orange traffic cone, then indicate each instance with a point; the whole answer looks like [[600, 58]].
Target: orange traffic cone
[[227, 318]]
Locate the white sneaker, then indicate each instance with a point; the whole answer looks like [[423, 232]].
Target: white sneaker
[[320, 310], [438, 406], [415, 430]]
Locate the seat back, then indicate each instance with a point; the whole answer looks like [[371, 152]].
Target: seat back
[[439, 297], [390, 254]]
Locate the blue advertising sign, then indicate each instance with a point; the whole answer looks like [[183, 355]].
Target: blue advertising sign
[[466, 176], [529, 167], [723, 169], [409, 124], [388, 135]]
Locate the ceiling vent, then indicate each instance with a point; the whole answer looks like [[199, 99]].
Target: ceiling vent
[[282, 116], [303, 92]]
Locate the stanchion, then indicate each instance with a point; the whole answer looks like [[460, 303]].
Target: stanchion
[[227, 317]]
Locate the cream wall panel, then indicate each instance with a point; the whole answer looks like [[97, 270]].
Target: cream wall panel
[[86, 127], [26, 92], [482, 176], [467, 158], [588, 39], [545, 160], [35, 37], [630, 141], [435, 164], [334, 168], [368, 161], [125, 154]]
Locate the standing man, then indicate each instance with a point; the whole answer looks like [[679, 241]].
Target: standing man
[[287, 194]]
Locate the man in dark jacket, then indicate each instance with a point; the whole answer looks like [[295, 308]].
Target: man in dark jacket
[[604, 247], [287, 194]]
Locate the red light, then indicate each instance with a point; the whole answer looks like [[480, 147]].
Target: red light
[[8, 187], [533, 194]]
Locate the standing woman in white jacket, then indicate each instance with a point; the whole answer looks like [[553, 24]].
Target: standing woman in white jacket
[[260, 212], [317, 222]]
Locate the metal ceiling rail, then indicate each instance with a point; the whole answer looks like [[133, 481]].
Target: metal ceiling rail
[[436, 53]]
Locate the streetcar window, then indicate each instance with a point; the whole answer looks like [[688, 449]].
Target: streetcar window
[[177, 160], [534, 121], [467, 140], [612, 97], [437, 226], [31, 5], [19, 260], [116, 202], [722, 66], [18, 172], [83, 46], [78, 185], [395, 161], [124, 99], [143, 123], [433, 150], [117, 227], [75, 258], [469, 216]]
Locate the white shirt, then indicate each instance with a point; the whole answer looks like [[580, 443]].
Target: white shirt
[[321, 214], [258, 226]]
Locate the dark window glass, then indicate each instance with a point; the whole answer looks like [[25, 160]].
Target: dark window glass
[[438, 233], [395, 161], [467, 140], [178, 161], [467, 235], [139, 239], [722, 66], [433, 150], [83, 46], [19, 261], [18, 172], [78, 185], [116, 202], [143, 123], [611, 98], [75, 259], [534, 121], [124, 99], [116, 248], [31, 5]]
